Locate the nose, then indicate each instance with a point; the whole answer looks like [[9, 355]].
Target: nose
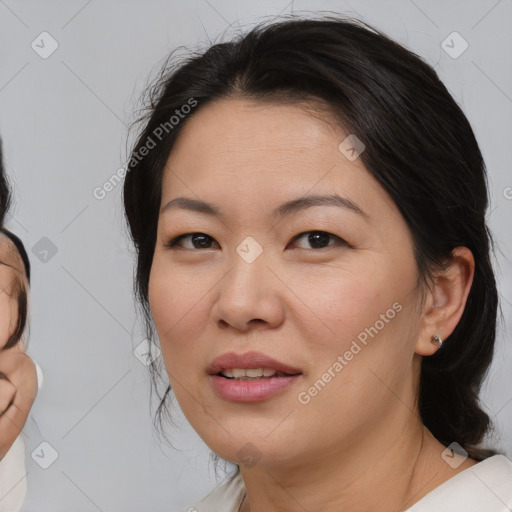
[[249, 296]]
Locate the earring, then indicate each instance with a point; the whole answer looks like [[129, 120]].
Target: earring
[[438, 341]]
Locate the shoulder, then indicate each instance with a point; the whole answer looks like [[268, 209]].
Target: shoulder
[[483, 486], [227, 496]]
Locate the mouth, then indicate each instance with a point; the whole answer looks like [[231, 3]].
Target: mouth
[[250, 377], [249, 365], [253, 373]]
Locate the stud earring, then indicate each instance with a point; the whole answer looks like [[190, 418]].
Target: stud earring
[[437, 341]]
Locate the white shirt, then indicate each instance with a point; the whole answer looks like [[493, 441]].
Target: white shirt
[[13, 471], [484, 487], [13, 478]]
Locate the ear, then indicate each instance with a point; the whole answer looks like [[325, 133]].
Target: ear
[[445, 302]]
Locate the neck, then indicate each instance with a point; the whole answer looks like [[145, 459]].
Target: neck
[[388, 469]]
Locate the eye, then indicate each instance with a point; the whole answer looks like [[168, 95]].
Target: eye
[[319, 239], [316, 239], [198, 240]]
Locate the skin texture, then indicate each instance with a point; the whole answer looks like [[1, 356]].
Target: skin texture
[[18, 377], [303, 306]]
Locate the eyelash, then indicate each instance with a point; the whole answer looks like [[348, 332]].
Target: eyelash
[[172, 244]]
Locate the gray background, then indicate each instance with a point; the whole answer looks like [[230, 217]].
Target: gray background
[[64, 125]]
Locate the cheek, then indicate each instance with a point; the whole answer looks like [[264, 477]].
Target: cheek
[[345, 301], [365, 314], [372, 314], [176, 302]]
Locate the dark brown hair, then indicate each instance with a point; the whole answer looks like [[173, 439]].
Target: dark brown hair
[[5, 191]]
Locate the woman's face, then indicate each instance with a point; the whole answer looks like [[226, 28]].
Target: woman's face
[[341, 307]]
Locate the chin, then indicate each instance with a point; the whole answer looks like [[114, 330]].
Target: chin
[[248, 447]]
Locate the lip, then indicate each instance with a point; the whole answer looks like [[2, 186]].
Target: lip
[[250, 390], [231, 360]]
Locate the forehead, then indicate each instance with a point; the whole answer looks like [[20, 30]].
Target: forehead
[[240, 142], [239, 150], [263, 128]]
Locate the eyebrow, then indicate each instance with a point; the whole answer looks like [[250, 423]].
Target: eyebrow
[[284, 210]]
